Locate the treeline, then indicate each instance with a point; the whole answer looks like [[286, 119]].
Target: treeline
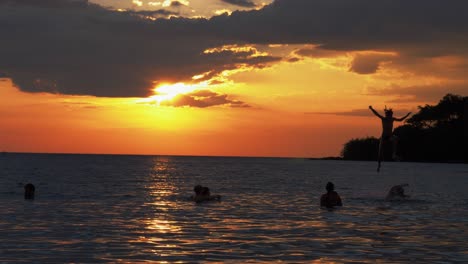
[[437, 133]]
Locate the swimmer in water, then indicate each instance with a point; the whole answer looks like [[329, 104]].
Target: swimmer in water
[[29, 190], [387, 132], [203, 194], [397, 192], [331, 198]]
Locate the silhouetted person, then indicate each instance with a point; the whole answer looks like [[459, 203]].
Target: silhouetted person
[[387, 132], [29, 191], [203, 194], [397, 192], [331, 198]]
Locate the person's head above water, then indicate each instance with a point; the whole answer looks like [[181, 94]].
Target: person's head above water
[[29, 191], [205, 191], [397, 192], [198, 189], [331, 198], [330, 187]]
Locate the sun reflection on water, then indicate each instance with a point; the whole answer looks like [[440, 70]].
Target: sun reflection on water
[[160, 189], [162, 226]]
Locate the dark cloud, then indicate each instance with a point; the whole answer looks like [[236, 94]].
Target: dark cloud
[[368, 63], [243, 3], [362, 62], [361, 113], [153, 13], [419, 93], [293, 59], [93, 51], [177, 4], [317, 52], [203, 99], [359, 25], [85, 49], [354, 112], [47, 3]]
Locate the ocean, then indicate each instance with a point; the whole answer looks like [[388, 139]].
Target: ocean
[[134, 209]]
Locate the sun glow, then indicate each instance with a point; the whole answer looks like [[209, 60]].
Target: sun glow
[[167, 92]]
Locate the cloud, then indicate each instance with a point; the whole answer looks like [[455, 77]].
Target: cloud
[[360, 25], [48, 3], [86, 49], [243, 3], [93, 51], [317, 52], [419, 93], [177, 4], [203, 99], [354, 112], [153, 13], [360, 113], [368, 63]]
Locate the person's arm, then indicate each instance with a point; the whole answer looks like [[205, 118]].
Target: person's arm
[[375, 112], [403, 118], [323, 201], [339, 203]]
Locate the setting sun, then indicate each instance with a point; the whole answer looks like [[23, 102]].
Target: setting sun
[[167, 92]]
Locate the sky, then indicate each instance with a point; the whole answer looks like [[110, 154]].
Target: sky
[[283, 78]]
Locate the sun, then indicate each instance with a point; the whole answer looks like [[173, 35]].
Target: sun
[[167, 92]]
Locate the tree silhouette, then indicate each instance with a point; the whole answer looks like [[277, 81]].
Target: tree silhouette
[[361, 149], [437, 133]]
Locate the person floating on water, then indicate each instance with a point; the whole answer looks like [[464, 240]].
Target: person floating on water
[[203, 194], [397, 192], [331, 198], [387, 132], [29, 191]]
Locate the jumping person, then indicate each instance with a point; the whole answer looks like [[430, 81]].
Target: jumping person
[[387, 132]]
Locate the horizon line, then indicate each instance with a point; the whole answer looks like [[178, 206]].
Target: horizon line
[[161, 155]]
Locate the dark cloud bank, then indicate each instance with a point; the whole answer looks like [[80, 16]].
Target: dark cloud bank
[[203, 99], [73, 47], [243, 3]]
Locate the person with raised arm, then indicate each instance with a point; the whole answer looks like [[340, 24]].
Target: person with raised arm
[[387, 132]]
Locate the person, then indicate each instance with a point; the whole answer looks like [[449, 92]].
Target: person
[[203, 194], [397, 192], [387, 132], [331, 198], [29, 191]]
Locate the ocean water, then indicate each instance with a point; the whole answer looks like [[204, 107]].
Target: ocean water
[[133, 209]]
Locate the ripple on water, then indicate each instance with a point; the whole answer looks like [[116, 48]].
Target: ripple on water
[[133, 209]]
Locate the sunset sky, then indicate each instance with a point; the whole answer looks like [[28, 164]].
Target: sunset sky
[[289, 78]]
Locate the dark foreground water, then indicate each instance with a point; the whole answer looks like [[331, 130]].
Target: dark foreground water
[[97, 208]]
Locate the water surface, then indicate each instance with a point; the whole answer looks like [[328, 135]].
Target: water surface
[[104, 208]]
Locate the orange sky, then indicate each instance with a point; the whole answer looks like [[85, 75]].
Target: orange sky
[[288, 100], [276, 124]]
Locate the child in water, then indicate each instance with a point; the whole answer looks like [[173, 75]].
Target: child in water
[[203, 194], [397, 192], [29, 190], [331, 198]]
